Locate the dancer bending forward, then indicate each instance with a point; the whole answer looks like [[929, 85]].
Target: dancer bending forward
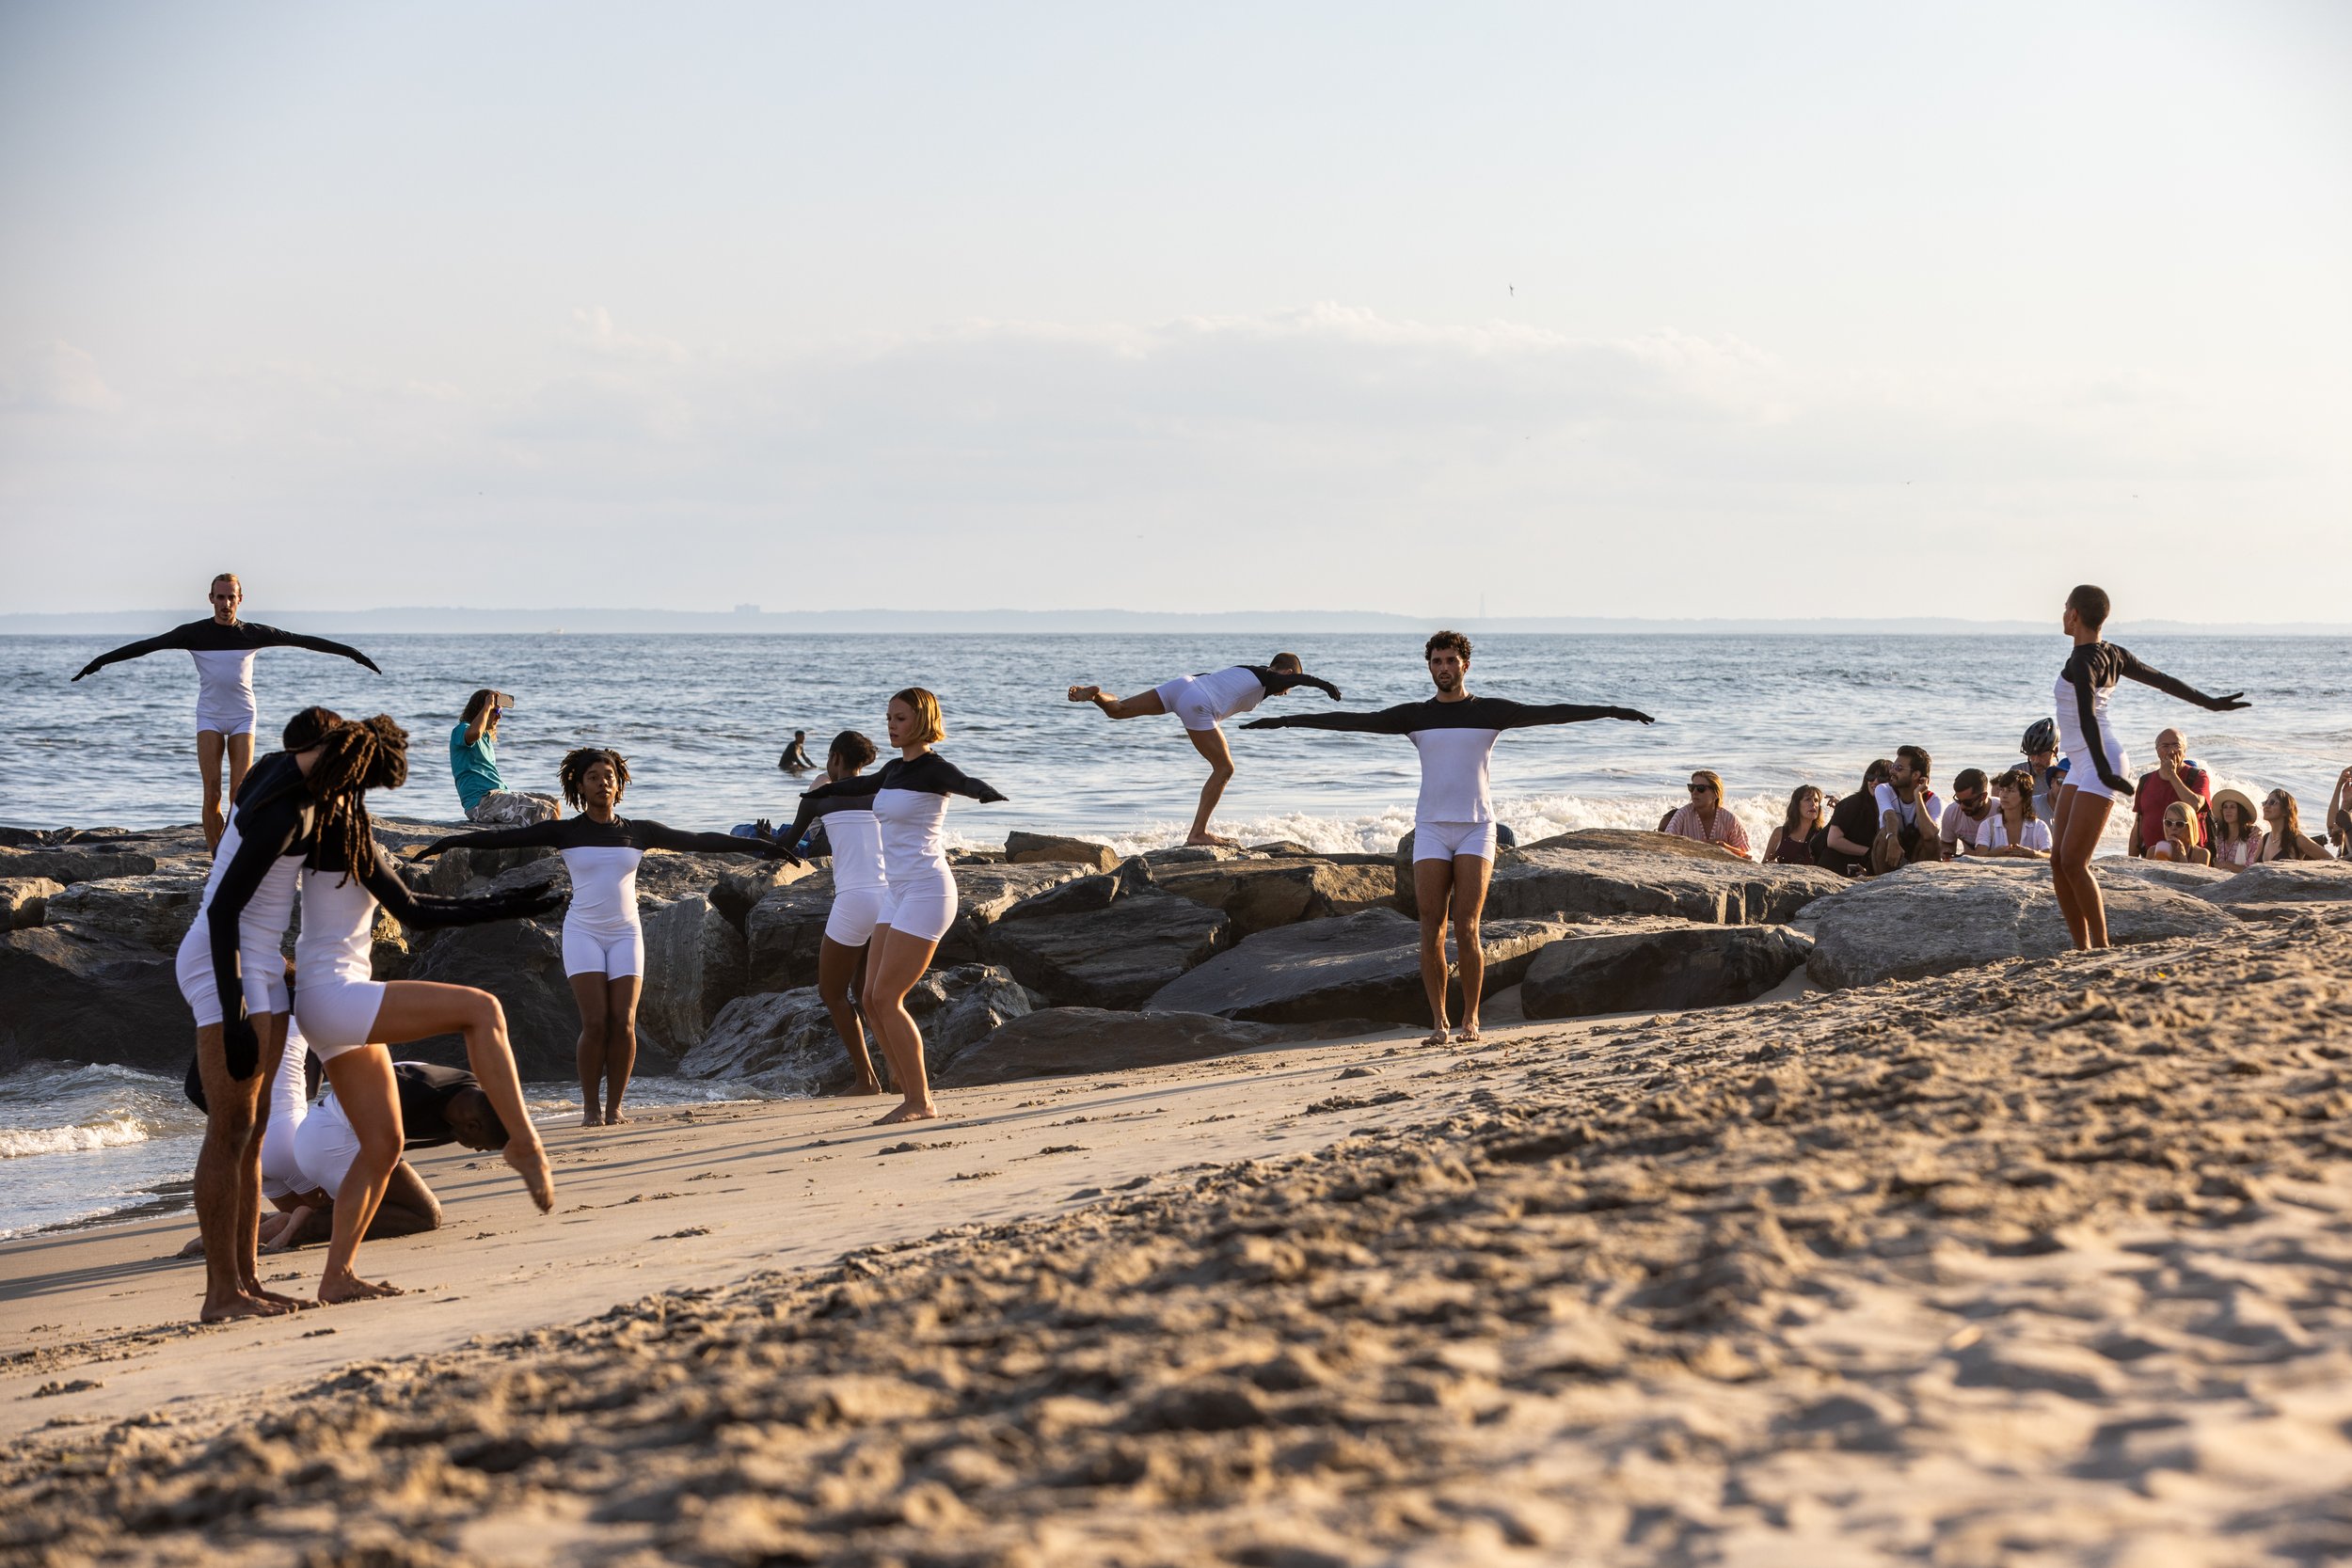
[[1201, 702], [910, 803], [1453, 820], [2097, 773], [860, 890], [604, 943]]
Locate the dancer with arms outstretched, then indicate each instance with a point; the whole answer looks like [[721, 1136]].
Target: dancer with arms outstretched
[[1201, 702], [1453, 820], [861, 889]]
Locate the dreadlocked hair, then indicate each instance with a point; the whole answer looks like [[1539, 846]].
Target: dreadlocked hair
[[356, 757], [573, 773]]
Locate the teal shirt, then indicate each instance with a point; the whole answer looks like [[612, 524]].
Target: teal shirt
[[476, 767]]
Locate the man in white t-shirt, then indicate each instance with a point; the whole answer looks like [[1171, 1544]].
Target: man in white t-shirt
[[1910, 815], [1964, 816]]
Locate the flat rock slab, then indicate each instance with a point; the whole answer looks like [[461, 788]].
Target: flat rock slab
[[1112, 956], [1548, 885], [1926, 920], [1024, 848], [155, 910], [1055, 1043], [24, 901], [1639, 841], [2286, 882], [1259, 894], [75, 864], [1658, 965], [1359, 966]]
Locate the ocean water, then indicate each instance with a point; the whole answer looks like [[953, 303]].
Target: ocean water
[[703, 718]]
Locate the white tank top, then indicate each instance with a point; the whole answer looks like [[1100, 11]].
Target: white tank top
[[912, 828], [604, 886], [857, 849], [261, 925], [224, 686], [338, 932]]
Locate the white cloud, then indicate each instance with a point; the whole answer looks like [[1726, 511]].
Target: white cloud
[[60, 378]]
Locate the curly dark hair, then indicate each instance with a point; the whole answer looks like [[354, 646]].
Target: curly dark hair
[[356, 757], [307, 728], [852, 749], [573, 771], [1453, 640]]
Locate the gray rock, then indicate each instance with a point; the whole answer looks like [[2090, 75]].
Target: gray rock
[[1658, 964], [1359, 966], [735, 893], [2283, 882], [1084, 895], [784, 1044], [25, 900], [75, 864], [74, 995], [457, 871], [784, 928], [1110, 955], [694, 966], [1552, 883], [1926, 920], [1023, 849], [153, 911], [1643, 841], [1260, 895], [1055, 1043], [2188, 879], [1191, 854]]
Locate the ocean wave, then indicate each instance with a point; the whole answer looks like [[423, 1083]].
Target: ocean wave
[[17, 1143]]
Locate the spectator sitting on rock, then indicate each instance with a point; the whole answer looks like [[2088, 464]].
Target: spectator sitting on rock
[[2010, 828], [1798, 838], [2179, 842], [1853, 823], [2237, 837], [474, 762], [1707, 819], [2339, 815], [1910, 814], [2285, 840], [1971, 803], [2175, 778], [2044, 766]]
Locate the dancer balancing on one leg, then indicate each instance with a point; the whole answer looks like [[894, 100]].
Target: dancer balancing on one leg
[[1201, 702], [223, 648], [350, 1019], [1454, 821], [909, 801], [859, 889], [604, 943], [2097, 773]]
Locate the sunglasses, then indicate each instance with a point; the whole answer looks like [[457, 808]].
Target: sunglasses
[[1700, 789]]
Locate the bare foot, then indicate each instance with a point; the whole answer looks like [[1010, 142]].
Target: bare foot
[[910, 1111], [1438, 1036], [1217, 839], [592, 1118], [239, 1305], [614, 1119], [871, 1085], [1467, 1033], [531, 1161], [255, 1288], [350, 1287], [194, 1249]]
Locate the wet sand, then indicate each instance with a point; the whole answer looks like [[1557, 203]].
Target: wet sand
[[2049, 1262]]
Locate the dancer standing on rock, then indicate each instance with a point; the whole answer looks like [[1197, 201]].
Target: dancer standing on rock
[[1453, 820], [909, 802], [861, 888], [1201, 702], [604, 943], [223, 648], [2097, 773]]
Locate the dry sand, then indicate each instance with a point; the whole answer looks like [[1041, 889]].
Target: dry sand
[[2036, 1264]]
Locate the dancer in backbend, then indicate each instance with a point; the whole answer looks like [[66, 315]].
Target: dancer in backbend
[[1201, 702], [909, 801], [859, 889], [2097, 774], [604, 944], [350, 1018], [223, 648], [1454, 821]]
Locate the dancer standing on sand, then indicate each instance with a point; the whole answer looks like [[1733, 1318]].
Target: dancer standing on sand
[[2097, 773], [861, 888], [223, 648], [604, 943], [909, 801], [1201, 702], [1453, 820], [350, 1018]]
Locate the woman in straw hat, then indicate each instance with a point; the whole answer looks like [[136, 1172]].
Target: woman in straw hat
[[2237, 829]]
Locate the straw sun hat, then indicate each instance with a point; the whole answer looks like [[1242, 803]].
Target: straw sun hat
[[2254, 815]]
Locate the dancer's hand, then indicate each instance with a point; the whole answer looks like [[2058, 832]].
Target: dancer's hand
[[2229, 703], [1633, 715], [239, 1047]]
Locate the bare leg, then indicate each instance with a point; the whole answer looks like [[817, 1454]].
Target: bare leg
[[369, 1098], [2061, 885], [1470, 902], [2085, 817], [836, 967], [620, 1042], [896, 962], [415, 1009], [1137, 707], [271, 1028], [1433, 888], [209, 746], [408, 1207], [240, 762], [229, 1181], [590, 992], [1211, 744]]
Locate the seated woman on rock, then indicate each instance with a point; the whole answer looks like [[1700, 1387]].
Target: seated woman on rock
[[1797, 838], [2179, 842], [1707, 819], [2237, 835], [2285, 841], [2011, 828]]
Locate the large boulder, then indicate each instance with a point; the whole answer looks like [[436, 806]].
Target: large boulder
[[694, 965], [1359, 966], [24, 900], [153, 911], [1548, 885], [785, 1043], [457, 871], [521, 963], [1113, 955], [1259, 895], [2173, 874], [1926, 919], [76, 864], [1055, 1043], [76, 995], [2276, 882], [1646, 964], [738, 892], [784, 928], [1645, 841], [1024, 848]]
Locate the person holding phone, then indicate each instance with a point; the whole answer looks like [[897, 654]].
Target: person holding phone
[[474, 762]]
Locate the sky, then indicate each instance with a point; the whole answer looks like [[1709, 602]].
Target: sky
[[1660, 310]]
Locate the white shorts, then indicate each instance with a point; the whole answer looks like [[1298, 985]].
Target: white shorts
[[2084, 774], [855, 914], [282, 1168], [612, 954], [338, 1016], [1188, 700], [325, 1145], [1442, 841], [239, 721], [265, 987], [923, 909]]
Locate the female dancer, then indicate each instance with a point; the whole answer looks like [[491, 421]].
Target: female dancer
[[1201, 702], [859, 889], [2009, 830], [909, 800], [604, 943], [223, 648], [351, 1019], [1800, 833], [2096, 772], [2237, 834], [2285, 840]]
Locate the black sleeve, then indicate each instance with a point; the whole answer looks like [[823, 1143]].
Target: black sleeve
[[1278, 681], [653, 835], [176, 638], [856, 786], [1519, 716], [270, 637], [263, 835], [958, 781], [2087, 710], [425, 910], [531, 835], [1388, 721], [2148, 676]]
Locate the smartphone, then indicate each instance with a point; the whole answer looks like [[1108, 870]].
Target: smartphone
[[502, 701]]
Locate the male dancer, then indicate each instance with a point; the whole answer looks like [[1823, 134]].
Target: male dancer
[[1454, 821], [1201, 702]]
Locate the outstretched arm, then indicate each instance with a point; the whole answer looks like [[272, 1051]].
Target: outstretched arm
[[964, 784], [2148, 676], [273, 637], [1525, 715], [653, 835], [425, 910], [2088, 711], [531, 835], [856, 786], [176, 638], [1278, 681], [1388, 721]]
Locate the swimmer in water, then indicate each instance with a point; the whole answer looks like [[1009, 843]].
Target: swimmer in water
[[2097, 773], [604, 943], [1201, 702], [860, 890], [223, 648], [1454, 821], [909, 797]]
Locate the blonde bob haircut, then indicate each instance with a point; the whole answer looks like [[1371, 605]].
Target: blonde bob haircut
[[929, 730]]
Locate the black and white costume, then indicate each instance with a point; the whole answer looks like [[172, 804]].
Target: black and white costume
[[2095, 762], [224, 665], [1201, 701], [233, 946], [861, 885], [909, 805]]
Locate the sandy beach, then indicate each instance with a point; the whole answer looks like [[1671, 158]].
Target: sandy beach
[[2042, 1262]]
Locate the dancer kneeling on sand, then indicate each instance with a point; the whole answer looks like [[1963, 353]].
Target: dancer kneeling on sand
[[350, 1019], [604, 943], [1453, 820], [1201, 702], [910, 803], [2097, 773], [860, 891]]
